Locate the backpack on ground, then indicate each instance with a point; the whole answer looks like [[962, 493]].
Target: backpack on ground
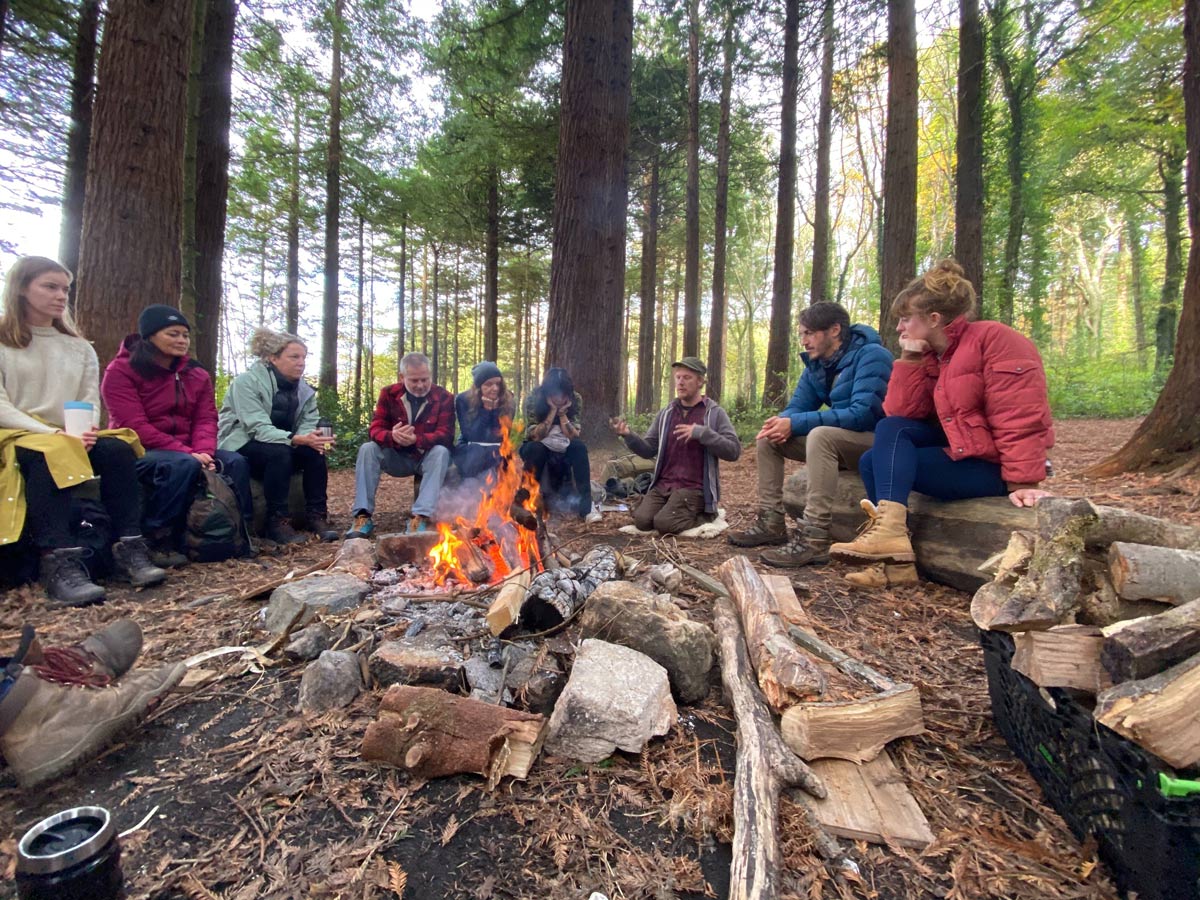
[[214, 530]]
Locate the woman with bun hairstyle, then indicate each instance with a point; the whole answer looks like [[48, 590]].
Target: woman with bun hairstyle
[[155, 389], [44, 364], [270, 417], [966, 415], [481, 411]]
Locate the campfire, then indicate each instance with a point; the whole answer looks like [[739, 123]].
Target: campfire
[[504, 535]]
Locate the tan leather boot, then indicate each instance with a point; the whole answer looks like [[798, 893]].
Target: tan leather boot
[[882, 575], [48, 729], [99, 659], [885, 539]]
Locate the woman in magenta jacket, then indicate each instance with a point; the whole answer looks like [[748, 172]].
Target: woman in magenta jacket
[[966, 415], [155, 389]]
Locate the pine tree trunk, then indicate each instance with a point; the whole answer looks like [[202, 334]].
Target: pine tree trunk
[[1170, 169], [293, 228], [212, 175], [691, 284], [333, 211], [587, 270], [491, 344], [717, 328], [187, 294], [899, 164], [779, 340], [358, 332], [83, 95], [1137, 269], [968, 198], [1169, 438], [436, 355], [821, 238], [644, 401], [401, 336], [129, 250]]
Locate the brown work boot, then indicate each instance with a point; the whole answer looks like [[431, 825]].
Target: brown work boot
[[318, 524], [884, 539], [768, 529], [882, 575], [48, 729], [808, 546], [280, 530], [96, 661]]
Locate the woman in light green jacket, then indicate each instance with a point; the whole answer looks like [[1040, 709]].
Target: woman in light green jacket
[[270, 417]]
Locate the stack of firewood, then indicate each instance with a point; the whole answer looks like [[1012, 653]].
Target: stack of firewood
[[1107, 602]]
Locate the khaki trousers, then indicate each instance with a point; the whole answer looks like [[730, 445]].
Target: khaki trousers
[[824, 450], [671, 513]]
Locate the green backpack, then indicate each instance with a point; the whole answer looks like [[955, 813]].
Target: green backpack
[[215, 529]]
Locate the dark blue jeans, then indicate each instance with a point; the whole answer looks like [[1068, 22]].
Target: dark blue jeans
[[169, 479], [908, 456], [554, 472]]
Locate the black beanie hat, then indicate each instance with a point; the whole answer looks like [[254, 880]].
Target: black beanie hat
[[485, 370], [155, 318]]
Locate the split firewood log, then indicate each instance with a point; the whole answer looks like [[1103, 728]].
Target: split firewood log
[[1147, 646], [1065, 656], [856, 730], [434, 733], [785, 673], [1101, 605], [1143, 572], [505, 610], [1158, 712]]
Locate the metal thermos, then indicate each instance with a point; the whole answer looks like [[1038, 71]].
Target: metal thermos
[[73, 855], [324, 427]]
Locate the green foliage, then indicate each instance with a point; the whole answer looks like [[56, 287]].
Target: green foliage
[[1106, 387]]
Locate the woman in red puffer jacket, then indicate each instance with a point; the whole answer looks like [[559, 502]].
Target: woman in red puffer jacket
[[966, 415], [152, 387]]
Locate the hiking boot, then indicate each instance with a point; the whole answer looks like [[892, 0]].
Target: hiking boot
[[768, 529], [808, 546], [883, 575], [131, 561], [883, 539], [280, 530], [363, 527], [418, 525], [66, 580], [318, 523], [163, 551], [48, 729], [99, 659]]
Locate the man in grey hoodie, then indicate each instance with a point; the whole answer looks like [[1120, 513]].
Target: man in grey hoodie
[[688, 437]]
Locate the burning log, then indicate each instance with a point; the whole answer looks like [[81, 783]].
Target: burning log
[[433, 733], [555, 596], [472, 558]]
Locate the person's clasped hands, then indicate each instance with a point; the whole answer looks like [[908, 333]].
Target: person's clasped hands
[[777, 430]]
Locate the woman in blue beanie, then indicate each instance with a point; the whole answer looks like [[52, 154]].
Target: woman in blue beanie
[[483, 411]]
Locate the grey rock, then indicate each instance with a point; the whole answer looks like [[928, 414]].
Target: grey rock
[[417, 662], [332, 681], [615, 698], [356, 557], [622, 613], [338, 593], [309, 642]]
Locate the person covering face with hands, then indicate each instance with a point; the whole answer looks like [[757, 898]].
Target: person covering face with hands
[[553, 449], [688, 438]]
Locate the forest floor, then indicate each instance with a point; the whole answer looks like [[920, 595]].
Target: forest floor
[[252, 799]]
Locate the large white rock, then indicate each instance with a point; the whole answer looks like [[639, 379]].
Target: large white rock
[[337, 593], [615, 698]]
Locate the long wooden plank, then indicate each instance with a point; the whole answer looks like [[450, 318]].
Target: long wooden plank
[[870, 802]]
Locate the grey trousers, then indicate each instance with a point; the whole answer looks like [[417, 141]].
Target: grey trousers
[[825, 450], [374, 460]]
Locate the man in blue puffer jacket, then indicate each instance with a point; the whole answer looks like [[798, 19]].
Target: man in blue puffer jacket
[[829, 424]]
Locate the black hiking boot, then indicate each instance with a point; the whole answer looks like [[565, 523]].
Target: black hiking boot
[[131, 560], [280, 530], [65, 578], [318, 524]]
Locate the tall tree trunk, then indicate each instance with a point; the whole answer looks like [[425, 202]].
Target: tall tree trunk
[[587, 269], [293, 228], [212, 175], [659, 341], [675, 354], [1171, 171], [400, 337], [691, 289], [456, 363], [1169, 438], [358, 326], [333, 210], [187, 257], [79, 133], [129, 249], [821, 236], [491, 344], [899, 164], [1137, 274], [646, 373], [436, 355], [968, 197], [779, 341], [717, 328]]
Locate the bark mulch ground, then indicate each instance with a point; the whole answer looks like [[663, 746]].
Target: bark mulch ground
[[251, 799]]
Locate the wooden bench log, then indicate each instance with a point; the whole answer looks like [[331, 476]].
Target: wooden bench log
[[952, 540]]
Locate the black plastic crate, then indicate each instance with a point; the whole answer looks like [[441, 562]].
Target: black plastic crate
[[1100, 783]]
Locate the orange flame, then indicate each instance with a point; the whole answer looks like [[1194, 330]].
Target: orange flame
[[507, 546]]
